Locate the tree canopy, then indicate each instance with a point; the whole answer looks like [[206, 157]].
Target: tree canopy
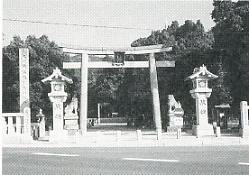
[[224, 50], [44, 56], [231, 34]]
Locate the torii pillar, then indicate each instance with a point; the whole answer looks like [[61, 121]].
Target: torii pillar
[[155, 93], [152, 64]]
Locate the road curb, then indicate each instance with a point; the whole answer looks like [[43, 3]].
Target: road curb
[[143, 142]]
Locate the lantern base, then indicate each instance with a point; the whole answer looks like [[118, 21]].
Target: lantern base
[[58, 136], [203, 130], [244, 132]]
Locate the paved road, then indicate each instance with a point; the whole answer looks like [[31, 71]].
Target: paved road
[[168, 160]]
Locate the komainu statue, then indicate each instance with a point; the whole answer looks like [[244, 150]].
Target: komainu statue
[[174, 122], [172, 103], [71, 115], [72, 108]]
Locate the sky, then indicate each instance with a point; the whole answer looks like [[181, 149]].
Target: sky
[[97, 23]]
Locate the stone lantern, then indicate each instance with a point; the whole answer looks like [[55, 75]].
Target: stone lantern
[[200, 93], [57, 96]]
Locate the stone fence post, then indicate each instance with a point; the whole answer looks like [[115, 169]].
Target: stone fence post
[[244, 129]]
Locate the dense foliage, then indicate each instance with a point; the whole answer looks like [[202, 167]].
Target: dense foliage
[[44, 56], [231, 34], [126, 91], [192, 47], [224, 50]]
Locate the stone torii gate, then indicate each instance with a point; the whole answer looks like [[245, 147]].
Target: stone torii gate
[[152, 64]]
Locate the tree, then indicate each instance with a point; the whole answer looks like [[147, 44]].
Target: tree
[[232, 41], [192, 47], [44, 56]]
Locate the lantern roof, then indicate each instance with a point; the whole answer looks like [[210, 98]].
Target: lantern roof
[[202, 72], [57, 76]]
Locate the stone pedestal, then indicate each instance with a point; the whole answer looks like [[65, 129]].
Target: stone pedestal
[[58, 136], [244, 132], [58, 112], [175, 123], [71, 115], [203, 128], [58, 132], [71, 122]]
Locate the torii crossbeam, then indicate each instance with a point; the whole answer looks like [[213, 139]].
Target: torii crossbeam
[[152, 64]]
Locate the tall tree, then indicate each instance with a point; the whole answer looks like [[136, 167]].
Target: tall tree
[[44, 56], [192, 47], [231, 34]]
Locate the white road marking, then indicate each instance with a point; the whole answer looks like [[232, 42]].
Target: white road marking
[[51, 154], [152, 160], [243, 163]]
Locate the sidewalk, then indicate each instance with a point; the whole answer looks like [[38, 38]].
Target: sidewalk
[[114, 138]]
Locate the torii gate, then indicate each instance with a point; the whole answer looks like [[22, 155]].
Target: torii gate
[[151, 64]]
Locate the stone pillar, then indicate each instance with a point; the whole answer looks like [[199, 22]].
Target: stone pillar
[[202, 126], [200, 93], [201, 107], [27, 121], [58, 112], [57, 97], [155, 93], [24, 78], [18, 124], [58, 134], [99, 108], [244, 129], [11, 130], [139, 135], [24, 89], [4, 125], [84, 94]]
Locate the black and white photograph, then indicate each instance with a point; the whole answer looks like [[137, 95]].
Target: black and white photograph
[[125, 87]]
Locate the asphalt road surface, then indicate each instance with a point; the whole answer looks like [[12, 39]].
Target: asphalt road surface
[[140, 161]]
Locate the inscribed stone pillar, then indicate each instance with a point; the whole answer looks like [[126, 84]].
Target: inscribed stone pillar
[[201, 107], [27, 123], [24, 78], [58, 112], [24, 89]]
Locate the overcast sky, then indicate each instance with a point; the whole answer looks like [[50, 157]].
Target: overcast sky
[[92, 19]]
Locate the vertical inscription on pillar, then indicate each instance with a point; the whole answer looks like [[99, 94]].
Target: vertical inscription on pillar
[[27, 121], [24, 78], [202, 110], [58, 110], [203, 106]]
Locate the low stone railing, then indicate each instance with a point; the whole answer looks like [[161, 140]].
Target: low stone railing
[[12, 123]]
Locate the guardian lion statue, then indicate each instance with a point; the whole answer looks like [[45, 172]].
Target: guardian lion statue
[[172, 103]]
